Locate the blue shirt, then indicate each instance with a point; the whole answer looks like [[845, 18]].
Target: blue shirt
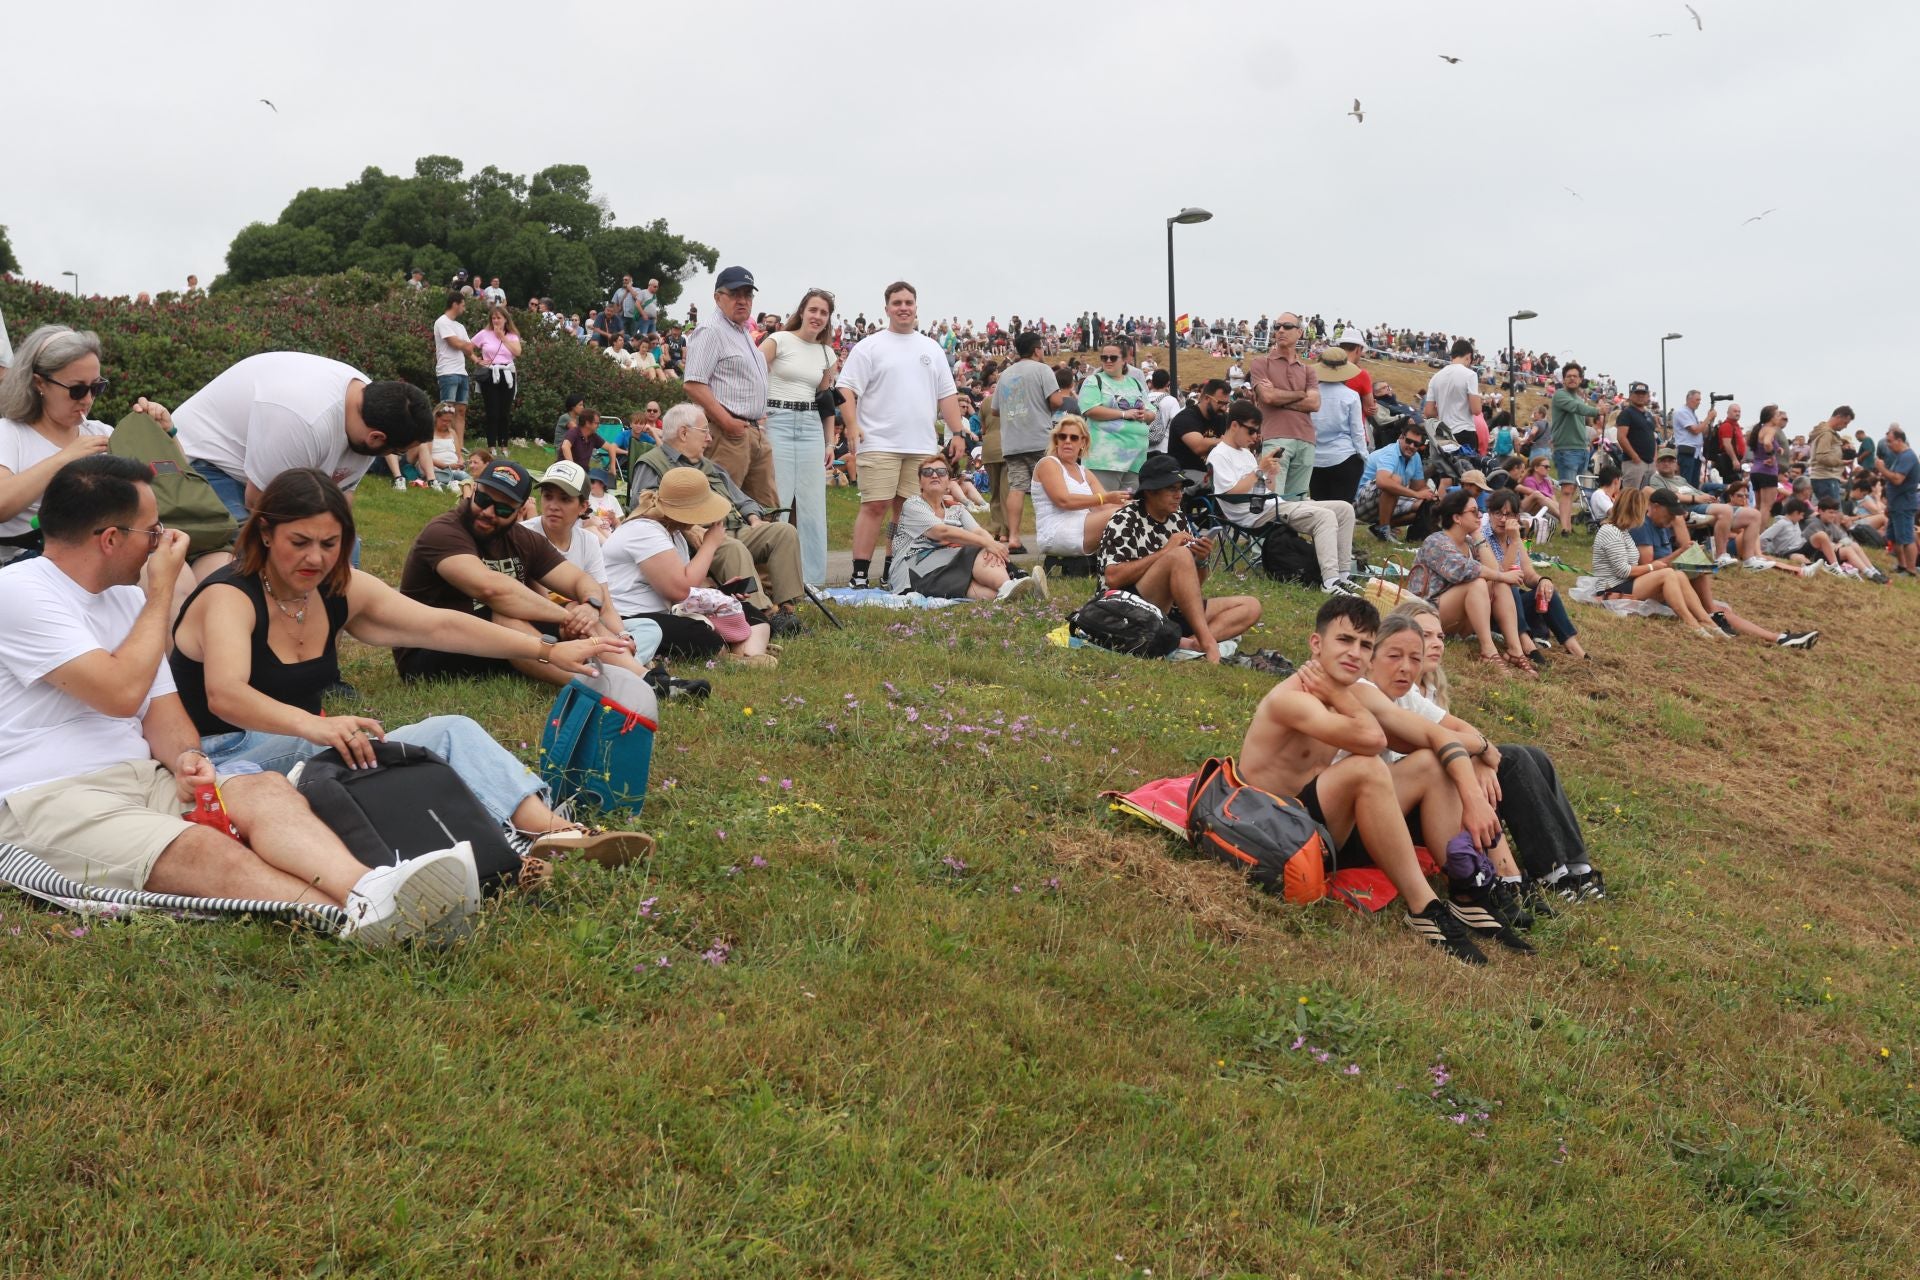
[[1389, 458], [1652, 535], [1686, 429], [1904, 496]]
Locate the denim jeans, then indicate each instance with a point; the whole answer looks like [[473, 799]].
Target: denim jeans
[[1554, 622], [1828, 489], [800, 474], [494, 774], [1546, 832]]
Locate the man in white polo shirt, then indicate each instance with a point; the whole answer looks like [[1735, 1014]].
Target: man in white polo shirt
[[284, 409], [895, 384]]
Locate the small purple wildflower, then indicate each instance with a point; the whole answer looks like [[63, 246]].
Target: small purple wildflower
[[786, 784], [756, 861], [646, 908], [663, 963], [717, 953], [953, 864], [1353, 1069]]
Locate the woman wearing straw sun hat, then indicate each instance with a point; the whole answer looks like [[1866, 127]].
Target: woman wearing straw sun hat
[[1340, 444], [655, 575]]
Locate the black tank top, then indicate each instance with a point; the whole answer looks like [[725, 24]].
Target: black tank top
[[298, 684]]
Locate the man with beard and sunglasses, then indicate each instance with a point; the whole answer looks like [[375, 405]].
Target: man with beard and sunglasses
[[478, 558], [284, 409]]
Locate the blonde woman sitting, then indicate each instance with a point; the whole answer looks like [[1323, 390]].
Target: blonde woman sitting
[[1070, 509]]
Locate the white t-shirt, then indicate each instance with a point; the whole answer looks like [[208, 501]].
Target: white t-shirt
[[45, 734], [633, 544], [494, 293], [583, 552], [1449, 391], [273, 412], [22, 447], [900, 378], [448, 360], [797, 367], [1412, 700], [1230, 466], [1600, 505]]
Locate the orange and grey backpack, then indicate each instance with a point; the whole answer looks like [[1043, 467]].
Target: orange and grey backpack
[[1274, 840]]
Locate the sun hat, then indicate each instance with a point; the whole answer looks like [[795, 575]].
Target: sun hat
[[685, 494], [1159, 471], [601, 476], [567, 476], [1351, 337], [507, 478], [1333, 366], [1476, 478]]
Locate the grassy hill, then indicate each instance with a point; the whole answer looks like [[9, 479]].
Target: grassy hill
[[969, 1022]]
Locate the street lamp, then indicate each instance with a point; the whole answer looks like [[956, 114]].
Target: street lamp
[[1186, 217], [76, 281], [1666, 406], [1513, 385]]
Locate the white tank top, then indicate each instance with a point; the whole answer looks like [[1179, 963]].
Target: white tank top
[[794, 375], [1060, 531]]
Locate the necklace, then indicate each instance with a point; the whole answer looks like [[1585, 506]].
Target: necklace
[[299, 610]]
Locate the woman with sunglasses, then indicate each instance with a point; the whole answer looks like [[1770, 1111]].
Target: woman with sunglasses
[[1070, 507], [44, 401], [942, 552], [800, 365]]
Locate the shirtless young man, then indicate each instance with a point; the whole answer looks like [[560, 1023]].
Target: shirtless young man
[[1321, 711]]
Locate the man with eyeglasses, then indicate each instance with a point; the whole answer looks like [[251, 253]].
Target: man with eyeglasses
[[99, 759], [727, 377], [478, 558], [1197, 429], [1394, 489], [1288, 392]]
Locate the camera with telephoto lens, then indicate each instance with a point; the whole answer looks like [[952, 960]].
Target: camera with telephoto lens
[[1716, 397]]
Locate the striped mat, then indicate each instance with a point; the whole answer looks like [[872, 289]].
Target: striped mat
[[31, 875]]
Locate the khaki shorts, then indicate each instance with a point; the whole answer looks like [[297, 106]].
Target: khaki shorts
[[104, 828], [886, 476], [1020, 470]]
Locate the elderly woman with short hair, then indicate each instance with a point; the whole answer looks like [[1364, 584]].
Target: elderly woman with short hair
[[941, 551]]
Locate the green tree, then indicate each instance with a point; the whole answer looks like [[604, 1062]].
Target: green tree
[[7, 261]]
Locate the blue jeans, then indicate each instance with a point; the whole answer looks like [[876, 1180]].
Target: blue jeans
[[800, 474], [1689, 464], [497, 778], [1568, 464], [1554, 621], [1828, 489], [455, 388]]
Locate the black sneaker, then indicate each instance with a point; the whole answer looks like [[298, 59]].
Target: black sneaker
[[1505, 901], [1720, 621], [1535, 897], [666, 686], [1476, 912], [1440, 927], [1573, 887], [1593, 887], [1382, 533], [858, 582], [1798, 639], [784, 624]]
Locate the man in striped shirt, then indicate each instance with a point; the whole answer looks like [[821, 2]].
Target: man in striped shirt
[[727, 377]]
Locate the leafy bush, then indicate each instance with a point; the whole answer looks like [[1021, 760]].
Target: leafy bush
[[170, 349]]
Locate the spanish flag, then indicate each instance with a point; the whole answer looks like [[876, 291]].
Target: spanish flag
[[1182, 323]]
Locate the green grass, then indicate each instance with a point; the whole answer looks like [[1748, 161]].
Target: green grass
[[973, 1023]]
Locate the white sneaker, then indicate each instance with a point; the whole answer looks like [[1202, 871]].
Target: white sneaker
[[1040, 584], [1829, 568], [1759, 564], [1726, 560], [400, 483], [1808, 570], [1015, 589], [431, 896]]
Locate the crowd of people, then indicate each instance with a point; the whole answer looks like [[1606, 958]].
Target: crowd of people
[[694, 536]]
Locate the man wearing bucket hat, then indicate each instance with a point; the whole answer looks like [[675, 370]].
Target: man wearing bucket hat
[[478, 558]]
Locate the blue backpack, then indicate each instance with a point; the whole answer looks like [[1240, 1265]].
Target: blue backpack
[[598, 740]]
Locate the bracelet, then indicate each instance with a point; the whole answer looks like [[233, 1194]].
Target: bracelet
[[546, 651], [195, 751]]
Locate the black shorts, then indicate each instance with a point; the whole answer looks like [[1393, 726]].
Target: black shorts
[[1763, 481], [431, 664], [1622, 588], [951, 581], [1352, 852]]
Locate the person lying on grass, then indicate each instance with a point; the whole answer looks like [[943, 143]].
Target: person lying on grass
[[256, 647], [1320, 736], [99, 759], [1144, 549], [1520, 782], [1662, 538]]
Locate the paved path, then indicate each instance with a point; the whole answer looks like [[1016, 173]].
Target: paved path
[[840, 564]]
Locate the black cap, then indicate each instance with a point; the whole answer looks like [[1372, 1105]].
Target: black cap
[[1159, 471], [735, 278], [1632, 387], [507, 478]]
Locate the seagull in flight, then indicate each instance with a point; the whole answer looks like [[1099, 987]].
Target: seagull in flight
[[1660, 35], [1697, 24], [273, 108], [1756, 217], [1448, 58], [1575, 194], [1358, 115]]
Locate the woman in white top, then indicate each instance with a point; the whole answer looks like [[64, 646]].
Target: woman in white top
[[1617, 570], [1070, 509], [497, 347], [800, 364], [651, 568]]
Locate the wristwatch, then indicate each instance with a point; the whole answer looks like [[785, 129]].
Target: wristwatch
[[594, 603], [546, 649]]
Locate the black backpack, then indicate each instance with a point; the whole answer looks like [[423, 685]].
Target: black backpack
[[1288, 557], [411, 802], [1125, 623]]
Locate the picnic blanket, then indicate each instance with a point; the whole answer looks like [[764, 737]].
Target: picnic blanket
[[1162, 803], [1585, 589], [31, 875], [881, 598]]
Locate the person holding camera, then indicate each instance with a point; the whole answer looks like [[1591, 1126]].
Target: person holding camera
[[1690, 435], [800, 368]]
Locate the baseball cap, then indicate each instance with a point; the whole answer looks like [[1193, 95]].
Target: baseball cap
[[569, 477], [735, 278], [1159, 471], [1636, 387], [507, 478], [1665, 451]]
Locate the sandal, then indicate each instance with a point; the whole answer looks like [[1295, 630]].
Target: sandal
[[607, 848], [1521, 666], [1490, 659]]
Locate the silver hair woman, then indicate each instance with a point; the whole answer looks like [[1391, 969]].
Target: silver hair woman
[[44, 423]]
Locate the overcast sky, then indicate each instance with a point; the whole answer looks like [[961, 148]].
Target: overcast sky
[[1022, 158]]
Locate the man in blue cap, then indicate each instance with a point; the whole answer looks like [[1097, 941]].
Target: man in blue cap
[[727, 377]]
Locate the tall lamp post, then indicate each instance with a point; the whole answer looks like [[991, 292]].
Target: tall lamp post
[[76, 281], [1666, 405], [1513, 385], [1186, 217]]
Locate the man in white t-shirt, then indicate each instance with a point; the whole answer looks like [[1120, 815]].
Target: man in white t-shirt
[[284, 409], [98, 758], [1454, 394], [494, 293], [1237, 469], [451, 347], [896, 383]]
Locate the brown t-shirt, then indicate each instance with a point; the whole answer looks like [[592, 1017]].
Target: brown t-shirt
[[520, 553], [1285, 375]]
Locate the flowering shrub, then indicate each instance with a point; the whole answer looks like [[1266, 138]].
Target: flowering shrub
[[170, 348]]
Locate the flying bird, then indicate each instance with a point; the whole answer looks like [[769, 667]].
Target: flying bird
[[1575, 194], [1697, 24], [1756, 217], [1660, 35], [1358, 115], [1448, 58], [273, 108]]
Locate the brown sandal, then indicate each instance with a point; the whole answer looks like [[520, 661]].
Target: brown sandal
[[1521, 666]]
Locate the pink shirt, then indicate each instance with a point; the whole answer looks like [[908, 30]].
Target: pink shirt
[[491, 348]]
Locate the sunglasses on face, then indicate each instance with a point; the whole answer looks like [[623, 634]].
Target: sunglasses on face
[[1109, 359], [1063, 439], [79, 390], [1284, 325], [505, 510], [933, 473]]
